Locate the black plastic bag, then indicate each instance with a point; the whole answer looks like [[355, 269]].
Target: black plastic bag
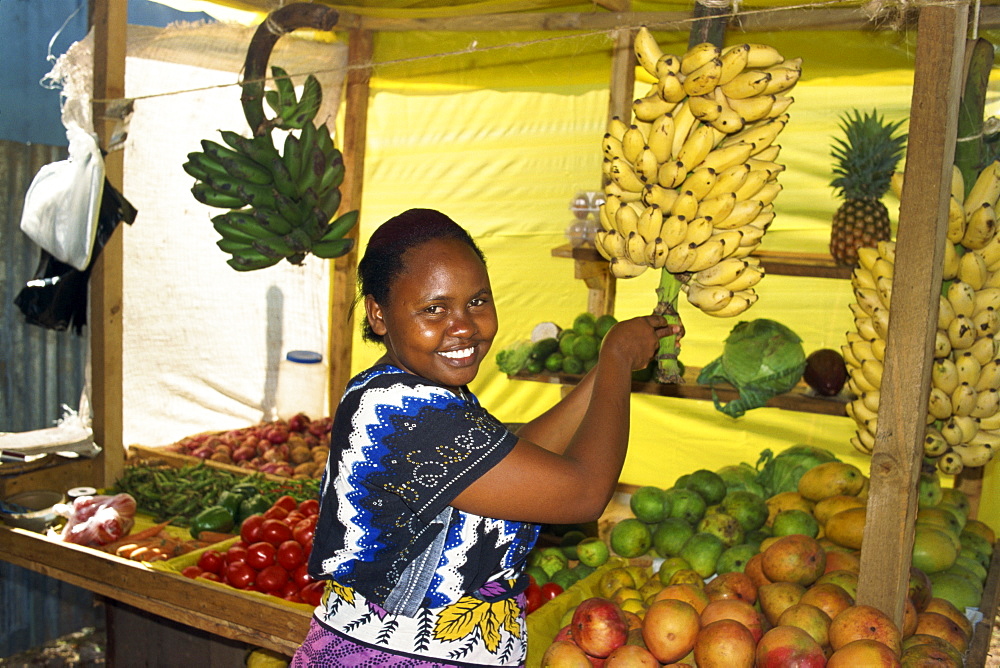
[[56, 296]]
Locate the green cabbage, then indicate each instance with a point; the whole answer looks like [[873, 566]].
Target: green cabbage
[[741, 476], [514, 357], [781, 473], [761, 358]]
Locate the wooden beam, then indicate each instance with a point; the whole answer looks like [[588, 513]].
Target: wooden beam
[[109, 19], [342, 286], [892, 503]]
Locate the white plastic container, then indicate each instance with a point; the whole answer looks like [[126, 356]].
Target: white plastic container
[[302, 381]]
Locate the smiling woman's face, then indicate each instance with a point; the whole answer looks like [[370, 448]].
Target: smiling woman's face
[[440, 319]]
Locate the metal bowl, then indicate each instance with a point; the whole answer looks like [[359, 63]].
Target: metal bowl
[[39, 513]]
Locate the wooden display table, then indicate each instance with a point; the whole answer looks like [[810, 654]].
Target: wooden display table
[[221, 611]]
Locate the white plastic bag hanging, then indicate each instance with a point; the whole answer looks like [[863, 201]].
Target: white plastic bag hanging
[[64, 199]]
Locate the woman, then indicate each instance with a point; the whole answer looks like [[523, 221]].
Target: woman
[[429, 504]]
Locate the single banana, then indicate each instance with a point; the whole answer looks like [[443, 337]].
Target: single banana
[[611, 147], [863, 442], [656, 194], [674, 230], [754, 108], [737, 305], [606, 221], [718, 207], [989, 377], [956, 220], [780, 105], [987, 404], [868, 299], [647, 50], [635, 248], [728, 121], [871, 400], [949, 266], [780, 79], [627, 219], [700, 182], [962, 299], [734, 60], [747, 84], [934, 443], [633, 141], [698, 145], [704, 79], [985, 190], [942, 344], [968, 425], [646, 166], [944, 375], [679, 258], [734, 241], [649, 223], [599, 238], [625, 177], [981, 226], [699, 230], [747, 278], [708, 253], [698, 55], [984, 349], [756, 179], [952, 432], [670, 87], [722, 273], [622, 267], [761, 134], [852, 362], [985, 298], [884, 288], [963, 400], [768, 193], [667, 64], [860, 412], [950, 464], [750, 234], [986, 324], [765, 159], [656, 253], [617, 128], [661, 137], [763, 55], [671, 174], [961, 332], [862, 278], [614, 243], [741, 214], [307, 107], [730, 180], [724, 157], [206, 194], [939, 404], [686, 205], [684, 124], [880, 320], [652, 106], [704, 107], [973, 455], [878, 349], [957, 183], [707, 298]]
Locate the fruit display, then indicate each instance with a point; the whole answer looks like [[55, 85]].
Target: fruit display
[[692, 176], [282, 204], [760, 564], [294, 448], [963, 412], [572, 350], [865, 159]]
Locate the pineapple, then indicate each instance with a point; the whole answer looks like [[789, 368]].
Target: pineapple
[[865, 159]]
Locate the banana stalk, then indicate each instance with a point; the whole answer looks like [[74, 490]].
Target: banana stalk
[[969, 154], [668, 368]]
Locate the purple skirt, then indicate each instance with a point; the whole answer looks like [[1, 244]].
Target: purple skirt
[[323, 648]]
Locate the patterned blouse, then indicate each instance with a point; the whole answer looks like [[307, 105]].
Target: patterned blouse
[[409, 573]]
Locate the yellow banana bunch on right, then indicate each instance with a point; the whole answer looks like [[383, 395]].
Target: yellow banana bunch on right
[[692, 177], [963, 411]]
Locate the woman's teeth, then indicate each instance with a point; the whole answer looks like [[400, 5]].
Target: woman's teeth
[[458, 354]]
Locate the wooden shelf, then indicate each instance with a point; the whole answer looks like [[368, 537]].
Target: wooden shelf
[[801, 398], [816, 265]]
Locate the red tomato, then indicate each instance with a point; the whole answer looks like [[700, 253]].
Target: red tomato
[[291, 555], [211, 561], [293, 598], [293, 518], [275, 513], [191, 572], [309, 507], [214, 577], [250, 529], [236, 552], [301, 576], [312, 593], [533, 597], [304, 531], [275, 532], [287, 502], [550, 590], [260, 555], [240, 575], [288, 589], [272, 578]]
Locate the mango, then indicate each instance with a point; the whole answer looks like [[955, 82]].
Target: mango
[[847, 527], [786, 501], [831, 505], [831, 479]]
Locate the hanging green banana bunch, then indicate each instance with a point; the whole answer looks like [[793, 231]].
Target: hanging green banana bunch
[[282, 205]]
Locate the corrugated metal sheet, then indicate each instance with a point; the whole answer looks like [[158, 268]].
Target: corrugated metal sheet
[[40, 369]]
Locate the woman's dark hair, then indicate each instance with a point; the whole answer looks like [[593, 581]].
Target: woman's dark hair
[[383, 259]]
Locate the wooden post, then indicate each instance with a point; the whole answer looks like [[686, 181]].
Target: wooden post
[[109, 19], [892, 503], [342, 281]]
